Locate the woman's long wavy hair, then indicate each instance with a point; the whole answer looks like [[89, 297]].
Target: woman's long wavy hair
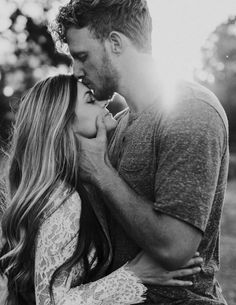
[[44, 153]]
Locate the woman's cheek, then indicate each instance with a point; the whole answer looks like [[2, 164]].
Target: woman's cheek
[[110, 123], [86, 128]]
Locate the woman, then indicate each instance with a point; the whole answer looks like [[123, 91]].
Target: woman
[[56, 250]]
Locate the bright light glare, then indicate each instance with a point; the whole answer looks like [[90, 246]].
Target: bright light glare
[[8, 91]]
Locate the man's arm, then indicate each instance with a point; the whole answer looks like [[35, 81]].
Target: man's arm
[[170, 241]]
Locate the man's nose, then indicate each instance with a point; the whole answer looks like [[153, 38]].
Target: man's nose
[[78, 70]]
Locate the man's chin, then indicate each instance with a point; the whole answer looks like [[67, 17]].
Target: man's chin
[[99, 94]]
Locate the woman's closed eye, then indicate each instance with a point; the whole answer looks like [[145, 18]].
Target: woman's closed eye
[[90, 98]]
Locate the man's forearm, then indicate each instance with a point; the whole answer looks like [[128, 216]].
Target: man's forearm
[[134, 212], [150, 230]]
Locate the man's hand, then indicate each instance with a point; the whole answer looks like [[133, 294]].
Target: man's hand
[[93, 157], [159, 235]]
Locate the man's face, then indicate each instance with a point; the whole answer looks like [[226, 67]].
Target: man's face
[[92, 63]]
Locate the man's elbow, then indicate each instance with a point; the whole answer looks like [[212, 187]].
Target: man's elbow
[[173, 242], [173, 260], [175, 257]]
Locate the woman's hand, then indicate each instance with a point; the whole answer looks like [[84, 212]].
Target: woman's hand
[[148, 270]]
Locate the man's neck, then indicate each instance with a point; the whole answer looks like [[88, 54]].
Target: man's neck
[[141, 84]]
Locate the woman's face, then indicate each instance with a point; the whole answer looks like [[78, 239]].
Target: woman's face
[[87, 110]]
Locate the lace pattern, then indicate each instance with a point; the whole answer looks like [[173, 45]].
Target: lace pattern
[[56, 242]]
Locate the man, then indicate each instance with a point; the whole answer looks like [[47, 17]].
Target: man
[[165, 178]]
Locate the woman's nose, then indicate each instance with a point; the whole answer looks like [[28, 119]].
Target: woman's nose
[[104, 103]]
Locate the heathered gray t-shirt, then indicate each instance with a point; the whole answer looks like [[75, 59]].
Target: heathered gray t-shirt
[[177, 157]]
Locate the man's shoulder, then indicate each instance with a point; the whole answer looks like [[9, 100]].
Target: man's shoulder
[[187, 90], [200, 98], [195, 111], [193, 90]]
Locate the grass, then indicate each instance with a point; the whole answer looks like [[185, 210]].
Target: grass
[[227, 274]]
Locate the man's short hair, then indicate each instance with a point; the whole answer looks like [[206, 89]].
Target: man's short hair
[[129, 17]]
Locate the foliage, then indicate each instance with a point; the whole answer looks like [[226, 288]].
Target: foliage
[[28, 56], [218, 70], [227, 275]]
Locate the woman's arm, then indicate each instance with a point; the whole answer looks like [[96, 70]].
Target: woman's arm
[[55, 243]]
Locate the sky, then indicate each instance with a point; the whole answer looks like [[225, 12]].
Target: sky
[[180, 29]]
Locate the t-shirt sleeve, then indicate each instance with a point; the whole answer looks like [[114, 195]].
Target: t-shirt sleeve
[[191, 143]]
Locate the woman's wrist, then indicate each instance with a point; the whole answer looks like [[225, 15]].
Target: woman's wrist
[[132, 268]]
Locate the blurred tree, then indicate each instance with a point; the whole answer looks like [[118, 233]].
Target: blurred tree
[[28, 54], [218, 71]]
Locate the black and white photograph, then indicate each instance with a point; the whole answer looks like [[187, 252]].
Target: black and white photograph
[[117, 152]]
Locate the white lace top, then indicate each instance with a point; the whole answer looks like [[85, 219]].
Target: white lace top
[[56, 242]]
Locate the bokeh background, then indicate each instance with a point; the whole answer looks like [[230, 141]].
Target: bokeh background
[[193, 39]]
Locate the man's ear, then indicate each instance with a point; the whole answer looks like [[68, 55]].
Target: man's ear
[[116, 42]]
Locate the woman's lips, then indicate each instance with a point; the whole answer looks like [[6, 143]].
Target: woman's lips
[[108, 114]]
